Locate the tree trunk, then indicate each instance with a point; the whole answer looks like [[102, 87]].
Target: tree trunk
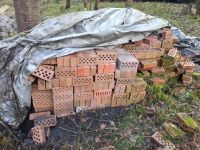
[[68, 4], [96, 5], [85, 3], [27, 14], [129, 3]]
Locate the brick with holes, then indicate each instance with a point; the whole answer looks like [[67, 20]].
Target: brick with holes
[[49, 67], [103, 93], [127, 62], [126, 81], [42, 100], [81, 81], [63, 101], [65, 72], [148, 64], [38, 134], [104, 77], [87, 58], [83, 71], [136, 96], [84, 95], [159, 139], [172, 52], [46, 121], [167, 43], [44, 73], [106, 56], [33, 116], [189, 65], [119, 99], [31, 78], [155, 43], [138, 84]]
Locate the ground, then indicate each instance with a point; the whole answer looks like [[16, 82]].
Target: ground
[[126, 128]]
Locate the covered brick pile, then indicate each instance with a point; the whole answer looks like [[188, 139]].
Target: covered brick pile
[[97, 79]]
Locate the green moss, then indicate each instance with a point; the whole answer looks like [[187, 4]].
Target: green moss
[[173, 130], [196, 76], [190, 122]]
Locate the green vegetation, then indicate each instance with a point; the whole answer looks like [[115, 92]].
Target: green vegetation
[[188, 121]]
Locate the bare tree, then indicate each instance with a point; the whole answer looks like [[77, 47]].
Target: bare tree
[[27, 13], [68, 4], [96, 5], [129, 3]]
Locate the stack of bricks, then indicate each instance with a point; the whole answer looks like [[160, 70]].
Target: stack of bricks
[[87, 80]]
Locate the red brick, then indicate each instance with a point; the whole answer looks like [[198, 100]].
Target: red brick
[[63, 82], [167, 43], [44, 73], [73, 59], [69, 81], [187, 79], [60, 61], [80, 81], [65, 72], [33, 116], [106, 56], [117, 74], [103, 93], [67, 61], [49, 67], [148, 64], [87, 58], [31, 78], [136, 96], [119, 99], [139, 84], [41, 84], [122, 89], [172, 52], [158, 70], [38, 134], [104, 77], [83, 71], [49, 85], [111, 85], [106, 102], [46, 121], [56, 82], [125, 81], [53, 61], [155, 43], [109, 68], [187, 65], [167, 34], [93, 70], [100, 68], [84, 95], [46, 62]]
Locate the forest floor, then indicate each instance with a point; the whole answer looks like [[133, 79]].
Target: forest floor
[[132, 127]]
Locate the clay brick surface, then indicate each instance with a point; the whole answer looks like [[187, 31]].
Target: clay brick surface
[[128, 89], [187, 79], [87, 58], [42, 100], [104, 77], [60, 61], [148, 64], [119, 99], [49, 85], [153, 42], [65, 72], [67, 61], [136, 96], [109, 68], [139, 85], [44, 73], [53, 61], [106, 56], [63, 101], [157, 81], [62, 82], [83, 96], [80, 81], [49, 67], [128, 74], [100, 68], [38, 134], [33, 116], [167, 34], [103, 93], [73, 60], [172, 52], [41, 84], [111, 85], [31, 78], [83, 71], [127, 62], [126, 81], [167, 43], [56, 82], [187, 65], [117, 74], [46, 62], [93, 70], [46, 121]]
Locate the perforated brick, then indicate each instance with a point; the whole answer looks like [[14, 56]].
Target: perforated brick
[[155, 43], [127, 62], [187, 65], [167, 43], [38, 134], [106, 56], [126, 81], [103, 93], [87, 58], [42, 100], [33, 116], [104, 77], [119, 99], [84, 95], [49, 67], [148, 64], [172, 52], [80, 81], [46, 121], [63, 101], [139, 85], [136, 96], [44, 73], [65, 72], [133, 47]]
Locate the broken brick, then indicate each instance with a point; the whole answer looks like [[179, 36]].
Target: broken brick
[[44, 73], [38, 134], [33, 116], [46, 121]]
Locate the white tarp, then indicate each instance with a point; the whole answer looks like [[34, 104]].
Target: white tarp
[[61, 36]]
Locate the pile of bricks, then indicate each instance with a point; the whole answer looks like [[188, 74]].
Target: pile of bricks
[[100, 78]]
